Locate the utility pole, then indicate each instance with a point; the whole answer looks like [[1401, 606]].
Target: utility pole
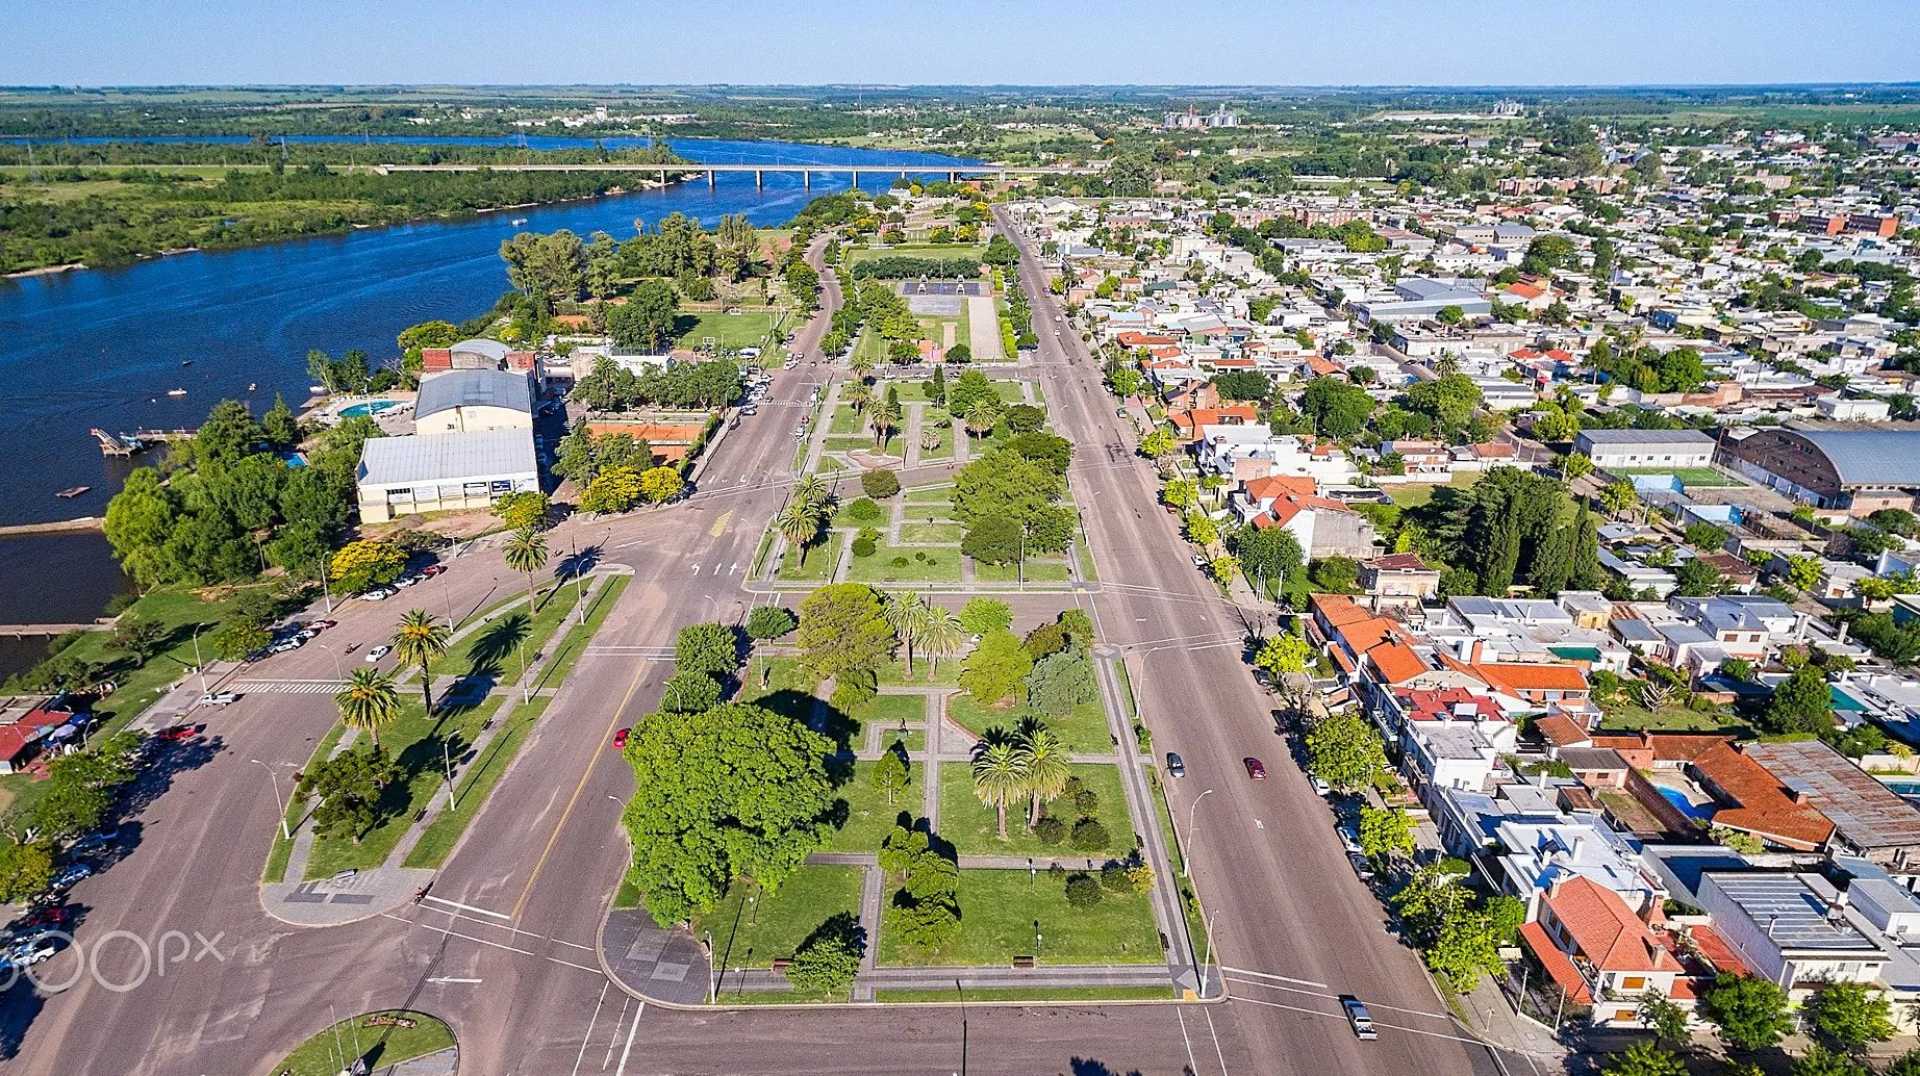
[[285, 833], [199, 666], [446, 760]]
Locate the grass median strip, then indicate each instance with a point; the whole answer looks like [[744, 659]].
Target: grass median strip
[[1027, 993], [382, 1038], [443, 833], [1009, 913], [599, 605]]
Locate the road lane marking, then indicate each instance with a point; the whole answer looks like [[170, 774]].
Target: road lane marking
[[507, 926], [466, 907], [1217, 1051], [1341, 1016], [457, 934], [635, 1026], [613, 1040], [1267, 975], [585, 774], [720, 525], [595, 1018], [1193, 1063], [1327, 992]]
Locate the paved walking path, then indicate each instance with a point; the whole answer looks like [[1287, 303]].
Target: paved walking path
[[983, 327], [993, 863]]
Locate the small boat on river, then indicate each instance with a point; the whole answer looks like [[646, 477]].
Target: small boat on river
[[71, 492]]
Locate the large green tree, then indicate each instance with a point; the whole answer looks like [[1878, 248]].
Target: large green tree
[[737, 791], [996, 668], [1802, 703], [646, 320], [843, 629], [1849, 1015], [1751, 1012], [1345, 752]]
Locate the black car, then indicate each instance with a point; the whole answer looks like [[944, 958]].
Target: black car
[[1176, 767]]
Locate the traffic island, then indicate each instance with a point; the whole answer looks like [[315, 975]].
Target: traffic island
[[399, 1041]]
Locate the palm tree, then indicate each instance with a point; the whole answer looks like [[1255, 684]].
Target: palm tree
[[943, 634], [369, 702], [908, 616], [420, 640], [526, 552], [799, 521], [862, 363], [811, 490], [980, 418], [856, 396], [999, 778], [1047, 768], [884, 419]]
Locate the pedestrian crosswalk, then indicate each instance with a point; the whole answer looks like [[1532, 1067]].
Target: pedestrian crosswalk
[[288, 687]]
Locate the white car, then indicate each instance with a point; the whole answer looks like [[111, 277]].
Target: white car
[[379, 652], [1320, 788], [379, 594], [224, 698]]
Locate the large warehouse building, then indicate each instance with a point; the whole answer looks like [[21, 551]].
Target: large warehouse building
[[1645, 449], [1858, 469]]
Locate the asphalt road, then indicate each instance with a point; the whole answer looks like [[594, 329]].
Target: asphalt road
[[504, 949]]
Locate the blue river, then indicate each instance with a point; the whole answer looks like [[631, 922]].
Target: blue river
[[102, 348]]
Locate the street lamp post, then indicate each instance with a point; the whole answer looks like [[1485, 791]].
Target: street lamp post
[[199, 667], [326, 589], [713, 986], [1207, 960], [338, 672], [285, 832], [1186, 865], [446, 761]]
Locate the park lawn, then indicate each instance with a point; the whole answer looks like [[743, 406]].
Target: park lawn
[[1027, 993], [848, 444], [873, 346], [846, 421], [1037, 571], [998, 913], [1088, 571], [1010, 392], [922, 565], [628, 895], [600, 605], [384, 1044], [869, 817], [182, 612], [916, 250], [788, 688], [894, 672], [495, 648], [943, 448], [969, 824], [914, 739], [948, 534], [475, 783], [888, 711], [820, 561], [747, 329], [926, 513], [1084, 730], [941, 494], [753, 933], [413, 741]]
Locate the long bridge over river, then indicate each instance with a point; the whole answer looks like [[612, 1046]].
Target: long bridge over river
[[805, 171]]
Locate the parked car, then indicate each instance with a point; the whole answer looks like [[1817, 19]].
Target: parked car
[[749, 410], [1361, 868], [1320, 788], [406, 581], [177, 733], [219, 698], [379, 594], [53, 917], [620, 739], [1176, 766], [26, 956], [1349, 838], [71, 875], [379, 652], [1256, 769], [432, 570], [322, 625], [1358, 1017]]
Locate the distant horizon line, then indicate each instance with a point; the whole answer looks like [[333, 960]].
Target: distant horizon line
[[900, 86]]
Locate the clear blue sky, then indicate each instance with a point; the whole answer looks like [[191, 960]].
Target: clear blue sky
[[1030, 42]]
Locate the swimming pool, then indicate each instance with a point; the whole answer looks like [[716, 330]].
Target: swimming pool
[[1686, 806], [371, 407], [1902, 786]]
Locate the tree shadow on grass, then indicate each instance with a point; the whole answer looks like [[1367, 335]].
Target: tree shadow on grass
[[498, 642]]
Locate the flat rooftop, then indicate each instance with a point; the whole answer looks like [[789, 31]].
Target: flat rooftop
[[1795, 916]]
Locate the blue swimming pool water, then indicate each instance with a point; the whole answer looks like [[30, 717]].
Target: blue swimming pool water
[[1679, 799], [372, 407], [1902, 786]]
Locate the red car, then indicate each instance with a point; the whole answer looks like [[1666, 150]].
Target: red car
[[432, 570], [53, 917], [321, 625], [620, 739], [177, 733], [1255, 768]]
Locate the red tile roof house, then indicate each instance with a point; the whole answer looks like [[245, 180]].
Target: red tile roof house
[[1188, 423], [24, 728], [1601, 954]]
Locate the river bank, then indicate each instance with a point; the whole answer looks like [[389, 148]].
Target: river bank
[[102, 347]]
